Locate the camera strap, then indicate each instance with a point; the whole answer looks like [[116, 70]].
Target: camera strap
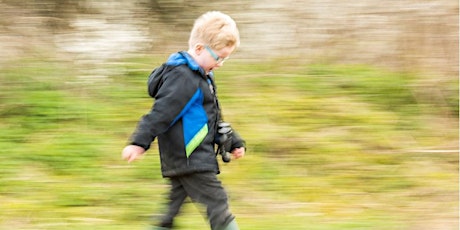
[[212, 88]]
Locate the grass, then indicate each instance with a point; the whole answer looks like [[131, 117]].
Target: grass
[[329, 147]]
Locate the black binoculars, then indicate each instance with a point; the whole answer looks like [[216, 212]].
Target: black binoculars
[[224, 140]]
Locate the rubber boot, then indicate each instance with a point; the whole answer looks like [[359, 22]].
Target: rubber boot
[[231, 226], [159, 228]]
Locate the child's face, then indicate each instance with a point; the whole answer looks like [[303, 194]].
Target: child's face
[[210, 59]]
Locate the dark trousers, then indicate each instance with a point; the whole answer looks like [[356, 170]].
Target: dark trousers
[[203, 188]]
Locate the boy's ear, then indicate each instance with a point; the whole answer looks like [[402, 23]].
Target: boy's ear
[[199, 48]]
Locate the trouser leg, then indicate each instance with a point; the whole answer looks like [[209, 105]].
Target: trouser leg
[[177, 196], [206, 189]]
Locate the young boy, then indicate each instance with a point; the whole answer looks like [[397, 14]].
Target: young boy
[[185, 117]]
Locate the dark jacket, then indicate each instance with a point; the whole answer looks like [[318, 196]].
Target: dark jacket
[[184, 117]]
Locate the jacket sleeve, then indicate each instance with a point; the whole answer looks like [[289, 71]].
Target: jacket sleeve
[[177, 89]]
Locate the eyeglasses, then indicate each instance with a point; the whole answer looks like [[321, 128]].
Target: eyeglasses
[[216, 57]]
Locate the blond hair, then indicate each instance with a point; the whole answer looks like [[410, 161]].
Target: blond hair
[[216, 30]]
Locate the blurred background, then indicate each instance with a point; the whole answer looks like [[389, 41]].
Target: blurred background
[[349, 110]]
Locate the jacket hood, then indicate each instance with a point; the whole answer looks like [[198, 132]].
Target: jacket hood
[[181, 58], [176, 59]]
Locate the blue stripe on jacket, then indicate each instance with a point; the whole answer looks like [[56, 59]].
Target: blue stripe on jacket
[[193, 115]]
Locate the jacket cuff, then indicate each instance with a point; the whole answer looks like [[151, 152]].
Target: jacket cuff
[[145, 147]]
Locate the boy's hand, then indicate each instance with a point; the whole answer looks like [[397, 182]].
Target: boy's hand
[[238, 153], [132, 152]]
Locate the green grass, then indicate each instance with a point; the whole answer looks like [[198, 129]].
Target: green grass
[[329, 147]]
